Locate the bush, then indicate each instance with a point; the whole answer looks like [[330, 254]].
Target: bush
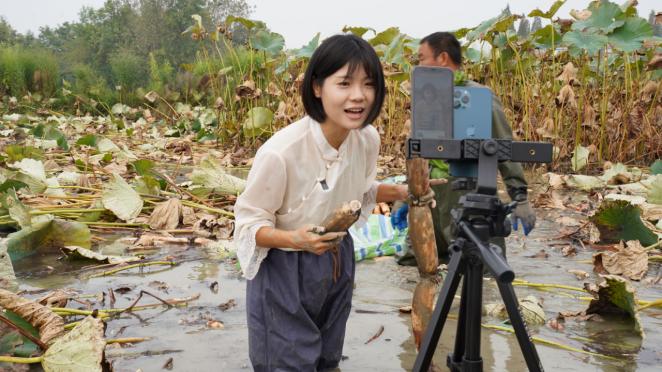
[[89, 83], [159, 74], [128, 70], [12, 72], [28, 70], [41, 71]]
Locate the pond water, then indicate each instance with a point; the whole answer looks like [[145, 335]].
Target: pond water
[[382, 288]]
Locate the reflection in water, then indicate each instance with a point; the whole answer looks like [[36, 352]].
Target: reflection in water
[[205, 270]]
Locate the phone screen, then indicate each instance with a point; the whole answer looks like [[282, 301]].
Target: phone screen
[[432, 103]]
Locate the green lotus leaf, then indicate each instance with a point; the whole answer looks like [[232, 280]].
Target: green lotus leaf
[[616, 295], [17, 153], [547, 37], [549, 13], [12, 342], [605, 17], [88, 140], [47, 234], [79, 350], [51, 132], [462, 32], [269, 42], [656, 167], [147, 185], [631, 35], [143, 166], [385, 37], [619, 220], [257, 121], [588, 41], [12, 184], [481, 30], [244, 21], [121, 199], [505, 23], [358, 31], [474, 55]]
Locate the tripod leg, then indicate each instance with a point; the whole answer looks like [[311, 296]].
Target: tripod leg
[[474, 283], [526, 345], [458, 352], [436, 325]]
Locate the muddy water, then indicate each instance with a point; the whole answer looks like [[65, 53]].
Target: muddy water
[[382, 287]]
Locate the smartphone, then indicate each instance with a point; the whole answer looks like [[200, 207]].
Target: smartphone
[[432, 103]]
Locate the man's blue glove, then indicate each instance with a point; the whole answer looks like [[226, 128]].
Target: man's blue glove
[[399, 217], [523, 213]]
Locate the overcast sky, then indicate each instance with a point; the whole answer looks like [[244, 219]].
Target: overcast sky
[[299, 20]]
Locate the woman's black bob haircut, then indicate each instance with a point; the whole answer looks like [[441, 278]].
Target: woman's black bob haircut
[[332, 55]]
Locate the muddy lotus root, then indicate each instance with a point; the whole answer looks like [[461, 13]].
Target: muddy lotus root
[[343, 217]]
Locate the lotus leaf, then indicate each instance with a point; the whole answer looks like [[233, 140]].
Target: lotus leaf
[[580, 158], [119, 198], [80, 253], [269, 42], [631, 35], [258, 121], [605, 17], [79, 350], [619, 220], [615, 295]]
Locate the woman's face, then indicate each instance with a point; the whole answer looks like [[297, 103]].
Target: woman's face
[[347, 100]]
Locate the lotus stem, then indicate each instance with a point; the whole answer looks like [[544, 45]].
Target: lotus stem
[[10, 359], [544, 285], [656, 303], [543, 341], [127, 340], [133, 266], [116, 224], [189, 203], [651, 247]]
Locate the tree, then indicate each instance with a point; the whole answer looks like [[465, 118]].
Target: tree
[[219, 10], [657, 27], [7, 34], [537, 25], [524, 28], [505, 13]]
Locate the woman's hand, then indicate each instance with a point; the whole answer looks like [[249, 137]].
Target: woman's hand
[[312, 239]]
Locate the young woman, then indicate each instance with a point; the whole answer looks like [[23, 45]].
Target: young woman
[[297, 311]]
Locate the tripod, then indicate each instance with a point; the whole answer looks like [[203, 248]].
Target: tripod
[[479, 217]]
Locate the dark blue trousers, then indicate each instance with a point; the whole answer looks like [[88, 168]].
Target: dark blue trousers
[[296, 313]]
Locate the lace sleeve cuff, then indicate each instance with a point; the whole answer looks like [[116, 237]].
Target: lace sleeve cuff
[[249, 254]]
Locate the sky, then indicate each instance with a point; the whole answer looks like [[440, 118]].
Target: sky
[[299, 20]]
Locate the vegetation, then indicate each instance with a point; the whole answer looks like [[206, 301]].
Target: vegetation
[[590, 81]]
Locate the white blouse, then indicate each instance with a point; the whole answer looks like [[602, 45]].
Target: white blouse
[[298, 178]]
